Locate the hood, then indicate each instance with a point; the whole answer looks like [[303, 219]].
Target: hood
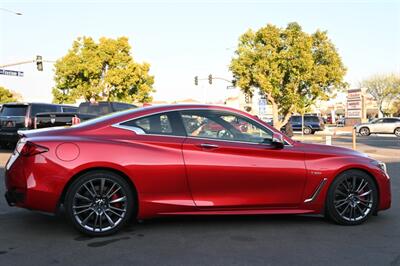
[[329, 150]]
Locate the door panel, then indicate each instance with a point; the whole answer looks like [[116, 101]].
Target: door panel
[[224, 174]]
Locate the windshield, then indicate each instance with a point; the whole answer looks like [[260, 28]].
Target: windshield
[[14, 110]]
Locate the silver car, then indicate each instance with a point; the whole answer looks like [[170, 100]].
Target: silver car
[[388, 125]]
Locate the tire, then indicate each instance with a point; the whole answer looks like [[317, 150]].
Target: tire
[[349, 204], [397, 131], [307, 131], [364, 131], [99, 212]]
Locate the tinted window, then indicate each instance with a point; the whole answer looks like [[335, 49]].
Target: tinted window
[[224, 126], [42, 109], [296, 119], [95, 108], [121, 106], [14, 110], [390, 120], [69, 109], [155, 124], [313, 119]]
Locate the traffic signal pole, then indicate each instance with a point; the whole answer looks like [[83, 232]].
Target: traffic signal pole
[[28, 62]]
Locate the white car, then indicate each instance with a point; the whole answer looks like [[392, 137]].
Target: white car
[[388, 125]]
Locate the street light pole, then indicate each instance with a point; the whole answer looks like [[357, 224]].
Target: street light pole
[[10, 11]]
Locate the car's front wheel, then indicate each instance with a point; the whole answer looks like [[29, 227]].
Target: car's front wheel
[[352, 198], [307, 131], [99, 203], [397, 131], [364, 131]]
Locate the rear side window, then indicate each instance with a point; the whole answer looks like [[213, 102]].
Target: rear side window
[[17, 110], [314, 119], [154, 124], [42, 109]]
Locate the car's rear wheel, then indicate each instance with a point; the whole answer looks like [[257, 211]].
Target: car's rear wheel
[[307, 131], [352, 198], [364, 131], [397, 131], [99, 203]]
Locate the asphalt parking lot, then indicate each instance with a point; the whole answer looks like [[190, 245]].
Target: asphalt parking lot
[[29, 238]]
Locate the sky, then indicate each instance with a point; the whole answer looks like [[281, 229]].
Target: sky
[[183, 39]]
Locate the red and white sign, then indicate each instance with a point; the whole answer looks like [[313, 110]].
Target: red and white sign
[[354, 113], [351, 105], [354, 94]]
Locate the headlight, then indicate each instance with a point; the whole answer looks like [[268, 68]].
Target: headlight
[[382, 166]]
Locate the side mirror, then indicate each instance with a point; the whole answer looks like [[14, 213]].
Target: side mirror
[[277, 141]]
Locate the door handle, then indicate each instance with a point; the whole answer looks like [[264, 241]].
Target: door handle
[[208, 146]]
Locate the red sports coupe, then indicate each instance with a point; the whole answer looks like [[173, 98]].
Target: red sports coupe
[[188, 160]]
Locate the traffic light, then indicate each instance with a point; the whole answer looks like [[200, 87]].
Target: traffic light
[[196, 80], [210, 79], [39, 63]]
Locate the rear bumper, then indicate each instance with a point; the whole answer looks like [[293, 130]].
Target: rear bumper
[[9, 136], [33, 183]]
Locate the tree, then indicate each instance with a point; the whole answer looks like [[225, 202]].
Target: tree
[[293, 69], [104, 71], [6, 96], [384, 88]]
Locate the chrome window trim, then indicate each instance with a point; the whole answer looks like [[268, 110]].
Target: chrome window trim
[[118, 125], [137, 130]]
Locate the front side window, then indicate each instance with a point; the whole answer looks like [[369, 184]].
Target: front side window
[[224, 126], [154, 124]]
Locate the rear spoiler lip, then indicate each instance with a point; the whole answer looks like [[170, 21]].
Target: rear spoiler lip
[[23, 133]]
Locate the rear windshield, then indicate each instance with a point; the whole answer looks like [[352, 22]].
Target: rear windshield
[[14, 110], [95, 109], [38, 108]]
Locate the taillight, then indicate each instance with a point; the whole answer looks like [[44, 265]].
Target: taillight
[[75, 120], [27, 148], [28, 122]]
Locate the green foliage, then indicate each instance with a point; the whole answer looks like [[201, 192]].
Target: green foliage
[[384, 89], [291, 68], [104, 71], [6, 96]]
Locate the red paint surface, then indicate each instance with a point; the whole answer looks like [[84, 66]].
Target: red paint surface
[[174, 176]]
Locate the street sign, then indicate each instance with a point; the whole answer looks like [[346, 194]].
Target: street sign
[[262, 106], [13, 73], [354, 103], [354, 113]]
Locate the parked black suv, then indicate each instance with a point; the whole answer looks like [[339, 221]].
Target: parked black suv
[[85, 111], [19, 116]]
